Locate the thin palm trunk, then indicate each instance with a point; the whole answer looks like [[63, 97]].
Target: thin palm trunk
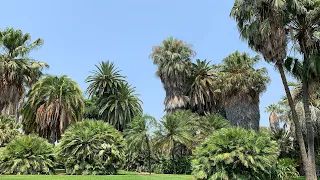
[[309, 125], [149, 154], [298, 128]]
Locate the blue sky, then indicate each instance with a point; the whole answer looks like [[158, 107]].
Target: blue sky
[[80, 33]]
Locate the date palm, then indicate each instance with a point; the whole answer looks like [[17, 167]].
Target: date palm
[[53, 104], [120, 108], [173, 61], [201, 92], [17, 70], [241, 85], [137, 136]]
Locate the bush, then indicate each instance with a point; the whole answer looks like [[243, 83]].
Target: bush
[[285, 170], [166, 166], [8, 129], [91, 147], [235, 153], [27, 155]]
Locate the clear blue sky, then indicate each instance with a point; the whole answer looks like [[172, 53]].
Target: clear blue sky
[[80, 33]]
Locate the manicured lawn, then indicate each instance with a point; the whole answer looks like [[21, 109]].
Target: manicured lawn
[[123, 175]]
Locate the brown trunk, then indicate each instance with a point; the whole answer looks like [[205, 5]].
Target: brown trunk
[[1, 107], [309, 125], [298, 129]]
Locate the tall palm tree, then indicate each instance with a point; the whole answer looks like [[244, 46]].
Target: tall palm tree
[[17, 70], [137, 136], [121, 107], [241, 85], [274, 119], [105, 80], [263, 25], [201, 92], [173, 61], [53, 104], [174, 129]]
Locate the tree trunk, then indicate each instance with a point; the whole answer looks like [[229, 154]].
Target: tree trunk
[[173, 162], [241, 111], [2, 105], [298, 129], [149, 154], [309, 125]]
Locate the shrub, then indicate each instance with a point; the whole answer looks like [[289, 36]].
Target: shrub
[[8, 129], [235, 153], [285, 170], [27, 155], [91, 147]]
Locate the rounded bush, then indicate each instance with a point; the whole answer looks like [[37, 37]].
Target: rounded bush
[[27, 155], [91, 147], [235, 153]]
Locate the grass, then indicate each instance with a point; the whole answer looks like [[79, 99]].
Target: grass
[[123, 175]]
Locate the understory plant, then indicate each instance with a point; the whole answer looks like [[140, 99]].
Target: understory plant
[[235, 153], [91, 148], [27, 155]]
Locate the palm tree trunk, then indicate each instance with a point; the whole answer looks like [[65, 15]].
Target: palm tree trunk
[[298, 128], [241, 111], [149, 154], [2, 105], [309, 125]]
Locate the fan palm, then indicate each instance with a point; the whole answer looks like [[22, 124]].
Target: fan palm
[[121, 107], [137, 136], [53, 104], [174, 129], [201, 92], [274, 119], [241, 85], [263, 25], [16, 69], [173, 60]]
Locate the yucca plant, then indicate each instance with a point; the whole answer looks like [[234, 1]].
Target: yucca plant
[[91, 147], [27, 155], [235, 153]]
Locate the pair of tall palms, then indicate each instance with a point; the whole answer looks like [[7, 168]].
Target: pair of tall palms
[[267, 25], [117, 102]]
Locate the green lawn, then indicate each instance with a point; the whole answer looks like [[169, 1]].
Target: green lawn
[[123, 175]]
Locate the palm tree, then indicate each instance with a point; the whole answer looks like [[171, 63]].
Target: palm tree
[[263, 25], [174, 130], [241, 85], [53, 104], [173, 60], [201, 92], [120, 108], [274, 119], [16, 69], [137, 136], [105, 80]]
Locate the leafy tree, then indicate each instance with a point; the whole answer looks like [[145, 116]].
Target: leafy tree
[[173, 61], [16, 69], [241, 85], [174, 131], [53, 104], [235, 153], [27, 155], [91, 147], [91, 111], [202, 92], [9, 129], [137, 137]]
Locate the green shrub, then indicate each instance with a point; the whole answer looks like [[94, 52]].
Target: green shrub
[[91, 147], [285, 170], [235, 153], [8, 129], [27, 155]]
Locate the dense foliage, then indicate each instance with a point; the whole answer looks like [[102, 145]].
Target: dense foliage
[[9, 128], [27, 155], [91, 147], [235, 153]]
